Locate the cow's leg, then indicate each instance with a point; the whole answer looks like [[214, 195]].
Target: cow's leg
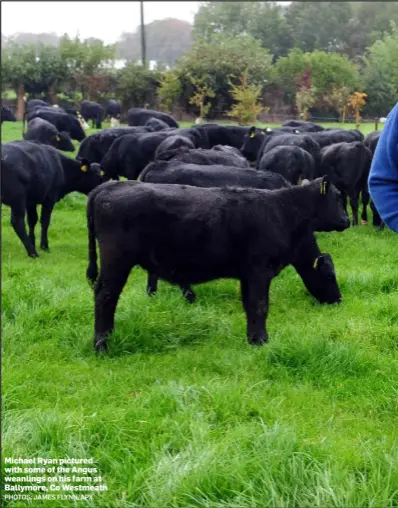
[[377, 222], [18, 223], [255, 296], [188, 293], [107, 290], [354, 198], [32, 221], [365, 202], [344, 199], [45, 218], [152, 284]]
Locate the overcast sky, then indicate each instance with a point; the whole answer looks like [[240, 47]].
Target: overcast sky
[[104, 20]]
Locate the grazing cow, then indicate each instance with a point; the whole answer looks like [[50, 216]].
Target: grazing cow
[[319, 278], [34, 174], [205, 157], [92, 111], [347, 165], [189, 235], [45, 132], [327, 138], [129, 154], [292, 162], [172, 143], [303, 125], [255, 141], [371, 141], [60, 119], [140, 116], [34, 103], [155, 124], [113, 109], [216, 134], [7, 114], [95, 146]]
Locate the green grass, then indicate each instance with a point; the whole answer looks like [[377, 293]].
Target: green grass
[[183, 412]]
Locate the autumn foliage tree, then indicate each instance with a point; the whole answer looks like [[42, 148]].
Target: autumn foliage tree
[[245, 95], [356, 101], [203, 91]]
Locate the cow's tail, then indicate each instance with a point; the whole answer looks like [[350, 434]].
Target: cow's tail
[[92, 269]]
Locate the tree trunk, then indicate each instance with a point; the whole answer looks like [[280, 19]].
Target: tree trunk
[[52, 94], [20, 103]]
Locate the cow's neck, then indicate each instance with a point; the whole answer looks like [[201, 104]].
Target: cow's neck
[[300, 206]]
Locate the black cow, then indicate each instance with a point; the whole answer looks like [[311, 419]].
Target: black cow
[[205, 157], [327, 138], [189, 235], [92, 111], [292, 162], [255, 141], [140, 116], [173, 143], [113, 109], [347, 165], [34, 103], [319, 278], [371, 142], [7, 115], [45, 132], [95, 146], [155, 124], [60, 119], [34, 174], [303, 125], [129, 154], [231, 135]]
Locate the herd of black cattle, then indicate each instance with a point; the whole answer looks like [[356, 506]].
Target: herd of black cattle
[[212, 201]]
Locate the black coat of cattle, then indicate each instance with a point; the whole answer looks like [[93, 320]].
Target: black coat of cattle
[[348, 165], [206, 157], [371, 141], [140, 116], [292, 162], [95, 146], [315, 269], [34, 103], [45, 132], [60, 119], [189, 235], [303, 125], [173, 143], [113, 108], [216, 134], [34, 174], [155, 124], [129, 154], [92, 111], [327, 138], [7, 114]]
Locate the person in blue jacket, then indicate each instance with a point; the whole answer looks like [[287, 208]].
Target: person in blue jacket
[[383, 177]]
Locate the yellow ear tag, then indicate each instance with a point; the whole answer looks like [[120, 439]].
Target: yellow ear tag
[[58, 138], [84, 168], [315, 263], [252, 134], [323, 187], [102, 173]]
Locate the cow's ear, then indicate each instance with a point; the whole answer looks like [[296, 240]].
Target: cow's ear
[[325, 185], [252, 132]]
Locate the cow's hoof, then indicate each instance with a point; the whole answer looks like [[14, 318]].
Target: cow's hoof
[[44, 247], [100, 345], [33, 254], [258, 340], [190, 296], [364, 222]]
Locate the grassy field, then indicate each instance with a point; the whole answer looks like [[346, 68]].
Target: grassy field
[[183, 412]]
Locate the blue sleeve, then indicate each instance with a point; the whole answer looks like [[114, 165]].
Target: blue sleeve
[[383, 177]]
